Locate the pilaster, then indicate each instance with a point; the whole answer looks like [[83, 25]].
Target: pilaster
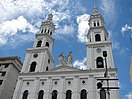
[[48, 93], [76, 88], [18, 89], [36, 91], [92, 91], [63, 94]]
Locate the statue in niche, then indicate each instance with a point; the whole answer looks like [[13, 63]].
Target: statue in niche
[[69, 57]]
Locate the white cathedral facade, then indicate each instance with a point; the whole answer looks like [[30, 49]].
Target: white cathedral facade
[[39, 80]]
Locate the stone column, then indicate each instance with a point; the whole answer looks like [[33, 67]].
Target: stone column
[[37, 88], [48, 88], [26, 64], [17, 92], [92, 90], [75, 93], [63, 89], [42, 65]]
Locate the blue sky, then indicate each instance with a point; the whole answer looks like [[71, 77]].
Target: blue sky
[[20, 21]]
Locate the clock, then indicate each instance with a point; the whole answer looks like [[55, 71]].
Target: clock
[[98, 50]]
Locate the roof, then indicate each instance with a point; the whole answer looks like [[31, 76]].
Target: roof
[[64, 68], [11, 58]]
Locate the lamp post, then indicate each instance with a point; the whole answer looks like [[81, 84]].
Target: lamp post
[[106, 73], [100, 85]]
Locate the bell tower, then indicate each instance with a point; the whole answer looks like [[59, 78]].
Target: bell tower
[[98, 42], [39, 58]]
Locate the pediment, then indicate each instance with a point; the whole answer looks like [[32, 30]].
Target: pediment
[[64, 68]]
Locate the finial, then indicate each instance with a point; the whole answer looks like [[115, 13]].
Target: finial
[[50, 16], [95, 10], [94, 7]]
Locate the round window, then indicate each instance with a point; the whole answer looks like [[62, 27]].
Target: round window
[[69, 82], [83, 82], [35, 55], [27, 83], [55, 83], [42, 83]]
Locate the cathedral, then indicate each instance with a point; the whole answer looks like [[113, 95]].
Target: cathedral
[[39, 80]]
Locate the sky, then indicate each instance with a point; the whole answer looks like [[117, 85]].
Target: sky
[[20, 20]]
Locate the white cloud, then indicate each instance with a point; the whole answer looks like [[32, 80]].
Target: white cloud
[[9, 29], [59, 16], [126, 28], [109, 9], [116, 44], [3, 40], [118, 47], [83, 27], [128, 96], [34, 11], [13, 26], [80, 63], [66, 30]]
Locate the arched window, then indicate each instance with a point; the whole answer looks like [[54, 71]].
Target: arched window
[[68, 94], [105, 38], [39, 43], [97, 37], [102, 94], [94, 23], [40, 94], [54, 94], [90, 39], [98, 23], [25, 94], [83, 94], [48, 61], [99, 62], [45, 30], [47, 68], [47, 44], [42, 31], [50, 33], [33, 66]]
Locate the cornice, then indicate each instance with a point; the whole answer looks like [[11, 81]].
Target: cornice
[[41, 49], [43, 35], [60, 73], [97, 27], [101, 43]]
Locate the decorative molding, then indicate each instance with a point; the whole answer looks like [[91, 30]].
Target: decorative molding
[[74, 73]]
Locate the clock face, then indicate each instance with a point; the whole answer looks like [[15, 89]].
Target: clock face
[[98, 50]]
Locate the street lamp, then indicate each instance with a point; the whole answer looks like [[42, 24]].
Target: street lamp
[[106, 73], [100, 85]]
